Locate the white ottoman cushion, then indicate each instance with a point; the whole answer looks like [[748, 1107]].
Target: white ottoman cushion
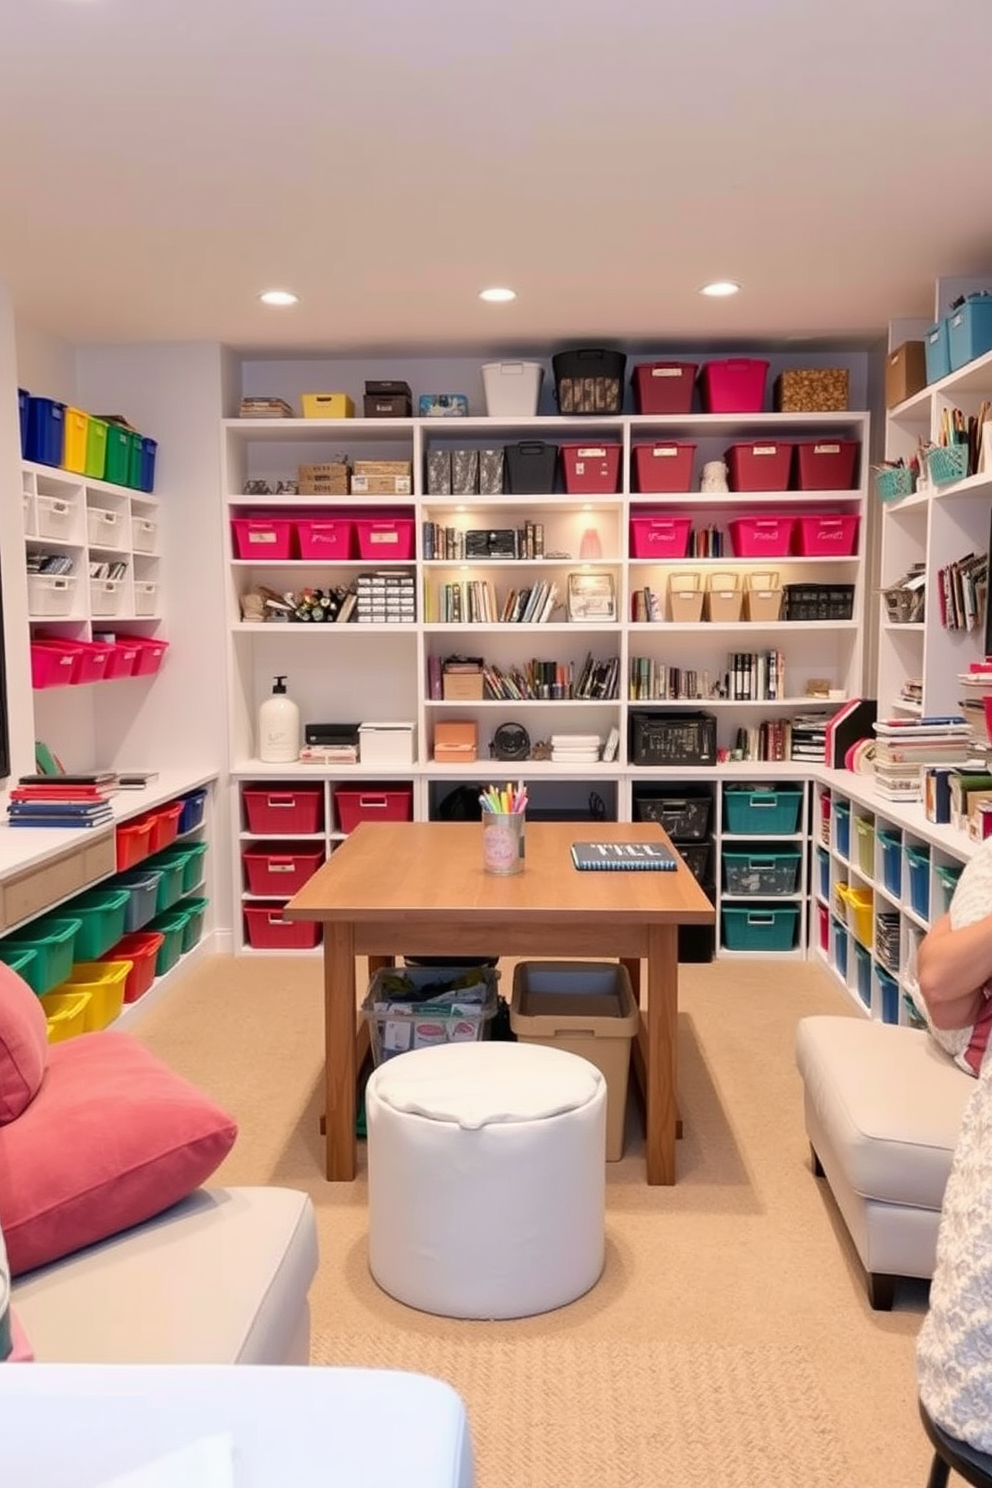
[[487, 1178]]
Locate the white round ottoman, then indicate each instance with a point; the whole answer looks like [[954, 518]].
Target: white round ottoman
[[487, 1178]]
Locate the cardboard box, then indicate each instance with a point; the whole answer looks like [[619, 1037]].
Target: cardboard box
[[462, 687], [381, 485], [812, 390], [387, 746], [323, 480], [456, 741], [905, 372]]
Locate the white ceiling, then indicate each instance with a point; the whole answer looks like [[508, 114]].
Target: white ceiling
[[162, 161]]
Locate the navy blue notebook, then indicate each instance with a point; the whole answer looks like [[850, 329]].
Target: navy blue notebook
[[623, 856]]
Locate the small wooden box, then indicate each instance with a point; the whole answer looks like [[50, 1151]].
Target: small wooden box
[[905, 372], [812, 390], [456, 741], [462, 687], [323, 480]]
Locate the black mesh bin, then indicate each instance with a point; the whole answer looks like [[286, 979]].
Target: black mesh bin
[[589, 381], [672, 739], [531, 467]]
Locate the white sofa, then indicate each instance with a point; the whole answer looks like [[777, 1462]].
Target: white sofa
[[221, 1278], [883, 1107]]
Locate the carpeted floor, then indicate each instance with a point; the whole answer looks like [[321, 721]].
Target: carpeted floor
[[729, 1341]]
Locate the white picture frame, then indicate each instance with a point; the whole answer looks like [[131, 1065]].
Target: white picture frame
[[592, 596]]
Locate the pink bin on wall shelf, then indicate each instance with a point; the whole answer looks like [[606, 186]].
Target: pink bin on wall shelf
[[829, 535], [150, 655], [655, 535], [734, 386], [52, 664], [762, 537], [663, 466], [263, 538], [329, 540], [385, 538]]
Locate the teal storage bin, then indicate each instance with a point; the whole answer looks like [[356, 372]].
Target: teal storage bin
[[171, 926], [937, 351], [969, 331], [19, 959], [840, 946], [170, 866], [889, 988], [761, 873], [918, 860], [842, 828], [193, 867], [751, 812], [760, 927], [195, 910], [53, 941], [823, 872], [891, 847], [947, 881], [101, 914], [862, 960], [142, 889]]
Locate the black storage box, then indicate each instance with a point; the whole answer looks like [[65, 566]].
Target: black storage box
[[818, 602], [387, 388], [530, 468], [696, 856], [684, 818], [589, 381], [672, 739], [387, 405]]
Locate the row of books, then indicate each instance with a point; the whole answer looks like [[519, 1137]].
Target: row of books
[[553, 681], [455, 544], [751, 676], [962, 591]]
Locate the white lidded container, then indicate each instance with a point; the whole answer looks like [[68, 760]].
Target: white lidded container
[[279, 727], [512, 389], [387, 745]]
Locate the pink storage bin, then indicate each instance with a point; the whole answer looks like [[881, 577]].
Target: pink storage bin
[[264, 538], [149, 657], [328, 541], [663, 466], [830, 535], [52, 664], [827, 465], [384, 538], [591, 469], [664, 387], [661, 537], [762, 537], [123, 659], [734, 386], [765, 465]]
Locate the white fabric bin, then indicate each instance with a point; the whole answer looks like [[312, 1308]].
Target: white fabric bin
[[512, 388], [56, 518], [145, 597], [106, 596], [144, 535], [50, 594]]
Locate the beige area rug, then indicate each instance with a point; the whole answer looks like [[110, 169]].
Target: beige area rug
[[557, 1412]]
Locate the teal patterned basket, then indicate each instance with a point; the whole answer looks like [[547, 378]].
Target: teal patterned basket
[[948, 464], [892, 482]]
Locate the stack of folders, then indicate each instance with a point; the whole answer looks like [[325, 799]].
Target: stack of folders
[[62, 800], [905, 748], [575, 749]]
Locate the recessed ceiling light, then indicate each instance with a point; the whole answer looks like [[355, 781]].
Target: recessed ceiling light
[[497, 296], [720, 289], [279, 297]]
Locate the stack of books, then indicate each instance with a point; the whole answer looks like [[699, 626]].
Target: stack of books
[[259, 407], [62, 800], [808, 737], [906, 748]]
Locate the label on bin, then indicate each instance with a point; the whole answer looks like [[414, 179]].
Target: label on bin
[[666, 371], [764, 449], [427, 1032], [665, 451], [826, 449]]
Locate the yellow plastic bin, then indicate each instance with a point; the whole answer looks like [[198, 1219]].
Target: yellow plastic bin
[[104, 982], [65, 1014], [585, 1008], [860, 906], [76, 424]]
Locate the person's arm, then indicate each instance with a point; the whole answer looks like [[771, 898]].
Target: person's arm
[[952, 970]]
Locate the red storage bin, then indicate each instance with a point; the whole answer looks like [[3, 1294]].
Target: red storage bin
[[123, 659], [279, 812], [827, 465], [664, 387], [661, 537], [263, 537], [824, 917], [141, 948], [267, 930], [734, 386], [165, 825], [762, 537], [132, 842], [765, 465], [387, 537], [663, 466], [329, 541], [150, 654], [591, 469], [52, 664], [279, 868], [830, 535], [373, 803]]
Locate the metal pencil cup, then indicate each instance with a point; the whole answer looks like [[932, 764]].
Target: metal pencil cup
[[503, 842]]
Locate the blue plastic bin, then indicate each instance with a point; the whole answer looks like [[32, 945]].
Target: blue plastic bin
[[891, 846], [146, 464], [823, 868], [760, 927], [969, 331], [24, 410], [889, 988], [840, 946], [46, 431], [862, 958], [142, 905], [842, 828], [192, 813], [918, 859], [937, 350], [761, 813]]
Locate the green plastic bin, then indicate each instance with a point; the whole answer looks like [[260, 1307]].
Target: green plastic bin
[[760, 927], [118, 455], [53, 941], [102, 914], [96, 449], [134, 461], [170, 867], [195, 909], [761, 813], [947, 878], [19, 959], [171, 926], [193, 868]]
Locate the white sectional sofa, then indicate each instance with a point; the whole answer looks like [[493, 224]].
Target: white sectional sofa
[[220, 1278]]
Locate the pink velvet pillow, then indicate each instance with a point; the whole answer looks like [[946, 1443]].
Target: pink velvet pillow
[[23, 1045], [112, 1137]]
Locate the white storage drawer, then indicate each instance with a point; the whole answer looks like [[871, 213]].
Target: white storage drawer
[[106, 528], [144, 535], [145, 597], [55, 517], [106, 596], [50, 594]]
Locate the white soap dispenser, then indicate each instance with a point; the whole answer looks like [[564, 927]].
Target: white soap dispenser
[[279, 727]]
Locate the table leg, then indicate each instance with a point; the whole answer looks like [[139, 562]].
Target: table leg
[[660, 1091], [339, 1050]]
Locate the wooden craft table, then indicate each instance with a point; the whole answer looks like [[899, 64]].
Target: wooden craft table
[[418, 888]]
